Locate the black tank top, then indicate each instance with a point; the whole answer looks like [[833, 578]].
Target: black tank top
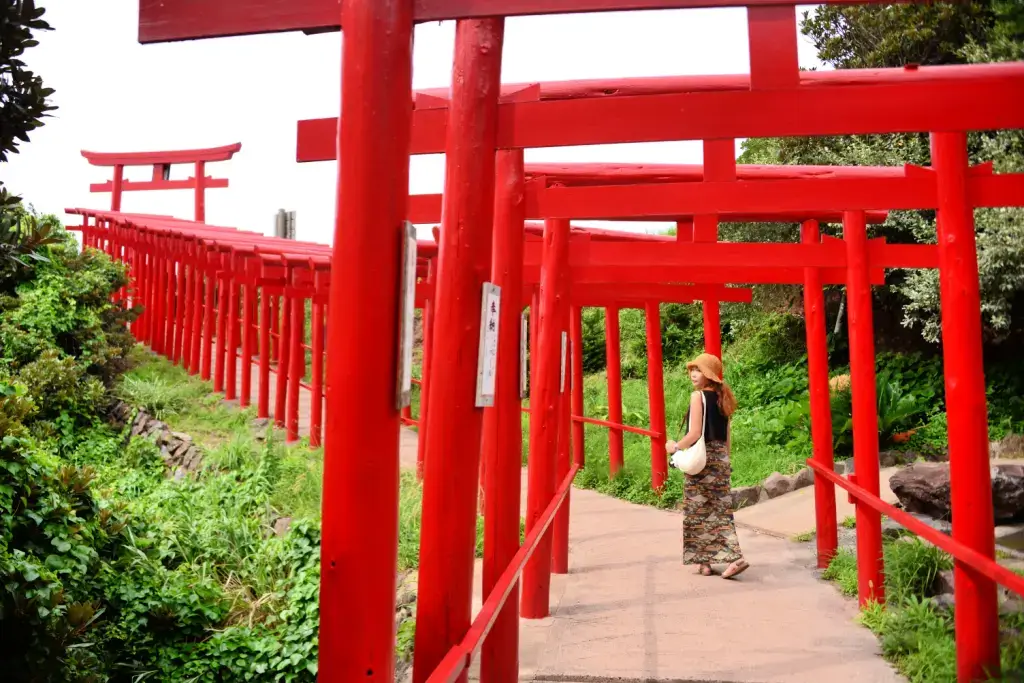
[[716, 425]]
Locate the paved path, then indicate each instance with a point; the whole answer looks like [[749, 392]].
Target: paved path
[[628, 610]]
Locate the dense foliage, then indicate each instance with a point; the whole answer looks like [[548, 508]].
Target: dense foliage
[[24, 101]]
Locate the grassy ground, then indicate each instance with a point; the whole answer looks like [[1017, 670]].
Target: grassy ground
[[754, 457], [225, 432], [916, 635]]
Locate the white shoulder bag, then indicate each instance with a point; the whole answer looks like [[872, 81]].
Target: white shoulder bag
[[693, 459]]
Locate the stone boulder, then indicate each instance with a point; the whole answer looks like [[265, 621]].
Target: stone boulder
[[745, 497], [1010, 446], [777, 485], [924, 488]]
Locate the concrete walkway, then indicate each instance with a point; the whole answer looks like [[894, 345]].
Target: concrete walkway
[[630, 611]]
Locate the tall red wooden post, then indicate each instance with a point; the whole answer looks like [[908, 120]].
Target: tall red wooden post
[[502, 431], [656, 391], [200, 193], [719, 166], [360, 517], [870, 574], [821, 411], [116, 187], [451, 475], [613, 352], [977, 606], [560, 526], [576, 333], [428, 346], [275, 328], [263, 388], [544, 403], [297, 368]]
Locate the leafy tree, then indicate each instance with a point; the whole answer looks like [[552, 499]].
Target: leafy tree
[[23, 98], [892, 36]]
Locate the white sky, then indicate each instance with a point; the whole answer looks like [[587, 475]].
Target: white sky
[[116, 95]]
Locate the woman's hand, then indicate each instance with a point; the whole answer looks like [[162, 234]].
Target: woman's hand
[[671, 447]]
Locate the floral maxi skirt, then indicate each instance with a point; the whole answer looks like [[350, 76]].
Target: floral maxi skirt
[[709, 531]]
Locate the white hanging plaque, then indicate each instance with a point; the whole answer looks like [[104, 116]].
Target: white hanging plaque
[[487, 361], [524, 331], [565, 346], [407, 306]]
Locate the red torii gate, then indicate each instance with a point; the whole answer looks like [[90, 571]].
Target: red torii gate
[[161, 163], [777, 100]]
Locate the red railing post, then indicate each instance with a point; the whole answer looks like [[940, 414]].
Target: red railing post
[[116, 188], [198, 298], [821, 410], [977, 606], [544, 404], [502, 430], [223, 280], [360, 516], [613, 349], [719, 166], [180, 297], [298, 367], [870, 565], [263, 390], [316, 408], [428, 344], [284, 351], [453, 439], [576, 332], [656, 392], [560, 528], [188, 324], [248, 309], [234, 300], [275, 328], [167, 337], [208, 329]]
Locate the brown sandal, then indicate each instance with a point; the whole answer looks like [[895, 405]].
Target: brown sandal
[[735, 569]]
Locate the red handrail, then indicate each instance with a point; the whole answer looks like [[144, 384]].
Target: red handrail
[[613, 425], [958, 550], [461, 656]]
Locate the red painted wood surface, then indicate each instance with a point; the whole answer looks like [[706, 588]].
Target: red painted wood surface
[[170, 20]]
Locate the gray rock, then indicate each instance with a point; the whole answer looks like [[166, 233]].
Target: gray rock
[[839, 467], [179, 474], [745, 496], [924, 488], [282, 525], [803, 478], [777, 485], [889, 459], [181, 436], [944, 602], [1010, 446], [762, 495], [260, 423], [893, 529]]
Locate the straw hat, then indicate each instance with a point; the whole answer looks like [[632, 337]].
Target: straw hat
[[709, 366]]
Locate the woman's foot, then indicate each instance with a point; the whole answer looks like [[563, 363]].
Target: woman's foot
[[705, 570], [735, 569]]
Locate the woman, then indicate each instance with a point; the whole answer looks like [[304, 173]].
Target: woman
[[709, 532]]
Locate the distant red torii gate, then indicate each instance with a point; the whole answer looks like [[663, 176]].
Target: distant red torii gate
[[161, 163]]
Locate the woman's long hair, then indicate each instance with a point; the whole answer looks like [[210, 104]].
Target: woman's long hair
[[726, 399]]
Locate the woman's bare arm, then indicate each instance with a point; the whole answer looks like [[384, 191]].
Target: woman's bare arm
[[693, 431]]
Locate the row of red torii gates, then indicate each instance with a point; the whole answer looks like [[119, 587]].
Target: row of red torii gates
[[483, 129]]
